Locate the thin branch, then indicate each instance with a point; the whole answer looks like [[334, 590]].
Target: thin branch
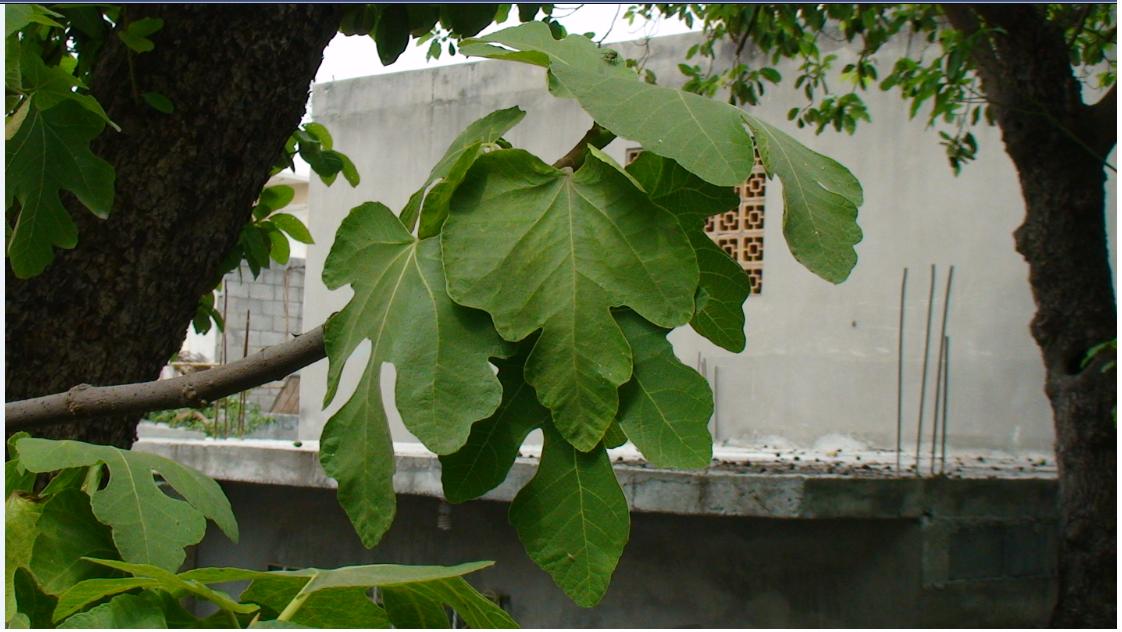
[[1075, 32], [963, 19], [195, 390], [596, 136]]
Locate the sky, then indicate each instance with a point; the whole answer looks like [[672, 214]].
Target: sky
[[357, 56]]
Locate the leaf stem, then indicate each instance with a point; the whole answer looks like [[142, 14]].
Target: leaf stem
[[596, 136], [297, 601]]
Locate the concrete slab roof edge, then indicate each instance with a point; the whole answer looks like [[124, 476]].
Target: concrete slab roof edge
[[699, 492]]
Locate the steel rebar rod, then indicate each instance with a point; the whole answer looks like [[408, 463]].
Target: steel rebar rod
[[900, 371], [923, 378]]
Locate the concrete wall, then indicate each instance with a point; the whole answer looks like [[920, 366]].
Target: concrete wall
[[274, 301], [821, 359], [688, 571]]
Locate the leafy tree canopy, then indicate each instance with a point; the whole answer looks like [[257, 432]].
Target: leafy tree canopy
[[908, 48]]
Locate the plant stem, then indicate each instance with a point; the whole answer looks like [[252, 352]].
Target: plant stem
[[294, 605]]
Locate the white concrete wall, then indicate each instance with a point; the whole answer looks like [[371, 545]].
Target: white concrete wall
[[821, 359]]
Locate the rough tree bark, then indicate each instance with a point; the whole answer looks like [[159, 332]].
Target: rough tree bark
[[114, 309], [1058, 145]]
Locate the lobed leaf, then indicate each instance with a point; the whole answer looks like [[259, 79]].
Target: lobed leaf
[[356, 450], [820, 200], [34, 604], [421, 605], [452, 167], [123, 611], [572, 518], [441, 352], [483, 462], [68, 531], [148, 525], [409, 609], [86, 592], [332, 608], [665, 408], [540, 248], [723, 285], [50, 153], [705, 136], [19, 16], [20, 517]]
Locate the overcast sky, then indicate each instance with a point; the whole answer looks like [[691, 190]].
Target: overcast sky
[[356, 56]]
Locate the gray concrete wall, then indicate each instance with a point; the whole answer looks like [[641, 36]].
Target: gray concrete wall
[[821, 359], [689, 571], [274, 301]]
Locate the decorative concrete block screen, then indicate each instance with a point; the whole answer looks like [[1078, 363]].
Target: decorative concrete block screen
[[740, 231], [274, 302]]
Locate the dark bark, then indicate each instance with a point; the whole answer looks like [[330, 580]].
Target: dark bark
[[114, 309], [1057, 144]]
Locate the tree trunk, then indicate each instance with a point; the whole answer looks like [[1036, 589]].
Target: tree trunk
[[115, 308], [1058, 146], [1064, 241]]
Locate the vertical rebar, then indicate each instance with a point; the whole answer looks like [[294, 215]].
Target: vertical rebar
[[923, 378], [241, 395], [939, 365], [938, 392], [225, 400], [284, 302], [900, 370], [716, 401], [946, 389]]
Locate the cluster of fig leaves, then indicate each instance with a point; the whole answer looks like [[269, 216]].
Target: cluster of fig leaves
[[567, 281], [99, 546]]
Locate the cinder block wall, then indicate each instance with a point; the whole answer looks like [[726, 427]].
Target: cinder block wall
[[274, 301]]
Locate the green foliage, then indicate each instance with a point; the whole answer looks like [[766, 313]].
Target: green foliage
[[135, 34], [483, 462], [1103, 348], [935, 74], [441, 351], [180, 523], [50, 153], [722, 285], [50, 120], [571, 246], [572, 518], [820, 200], [63, 569], [552, 256], [208, 421], [431, 204], [666, 406], [704, 136]]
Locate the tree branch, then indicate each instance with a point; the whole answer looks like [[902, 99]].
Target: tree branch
[[197, 389], [596, 136], [964, 20]]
